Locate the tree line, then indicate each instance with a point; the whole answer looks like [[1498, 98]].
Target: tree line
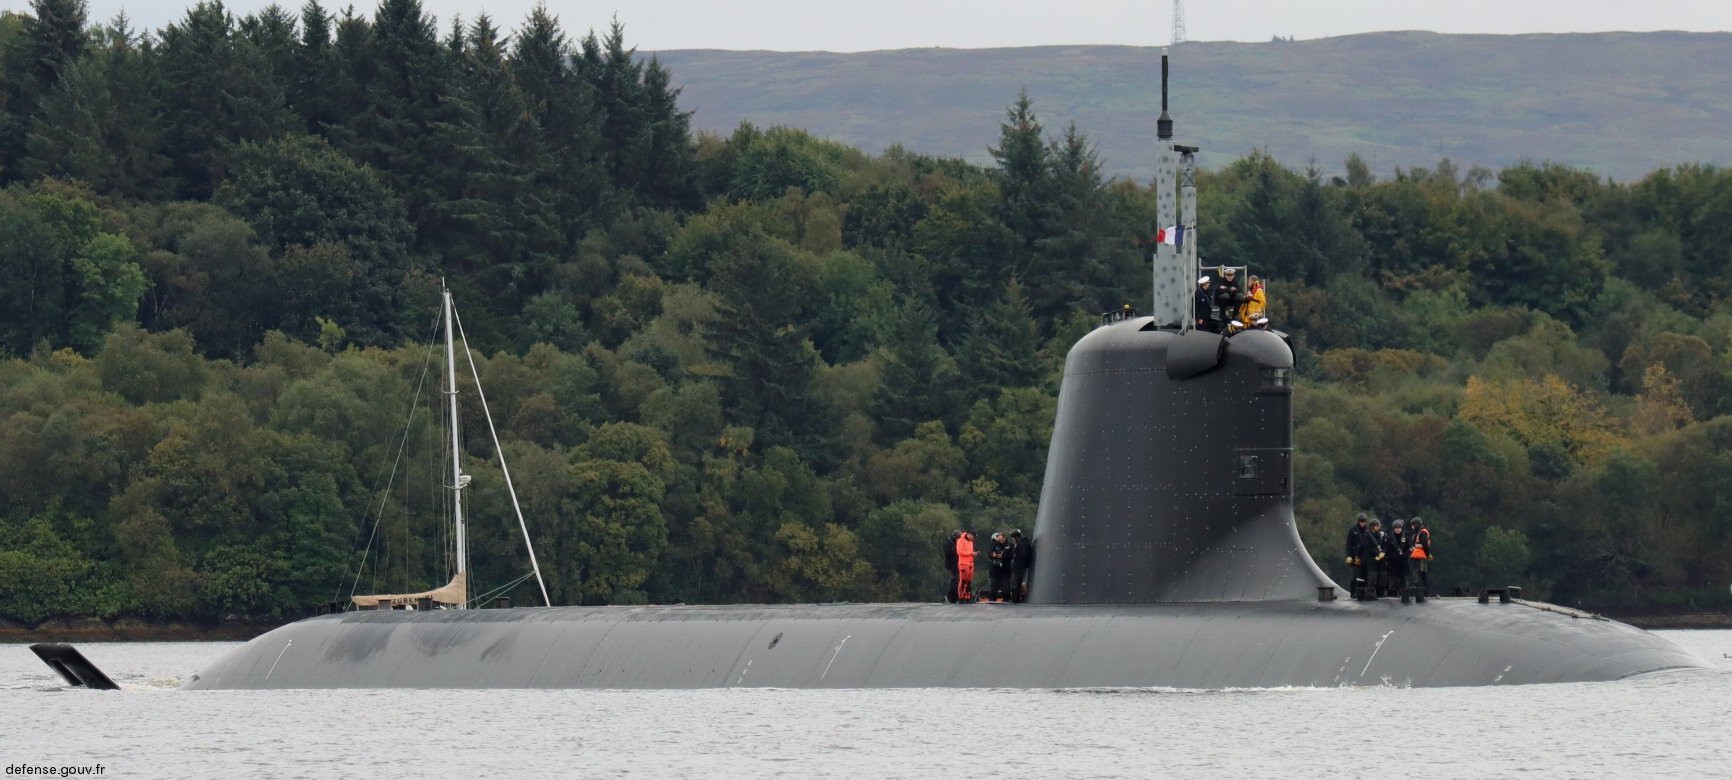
[[760, 367]]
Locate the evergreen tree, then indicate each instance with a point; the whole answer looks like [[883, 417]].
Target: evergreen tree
[[218, 90], [1025, 183], [1075, 254], [411, 124], [1002, 346], [666, 163], [101, 123], [761, 289], [314, 65], [919, 379], [566, 165], [515, 238], [53, 39]]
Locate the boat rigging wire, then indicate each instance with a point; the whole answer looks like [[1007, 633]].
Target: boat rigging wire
[[385, 491], [500, 452]]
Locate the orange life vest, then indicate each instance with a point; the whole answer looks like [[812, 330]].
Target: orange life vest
[[1420, 542]]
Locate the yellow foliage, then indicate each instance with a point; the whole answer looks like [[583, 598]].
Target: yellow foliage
[[1540, 412], [1660, 407], [1359, 365]]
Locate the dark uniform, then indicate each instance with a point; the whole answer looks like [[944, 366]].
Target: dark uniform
[[1356, 533], [1021, 562], [998, 575], [1396, 547], [1371, 554], [1207, 318], [1228, 297]]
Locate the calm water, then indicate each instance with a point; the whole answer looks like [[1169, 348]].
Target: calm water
[[1673, 724]]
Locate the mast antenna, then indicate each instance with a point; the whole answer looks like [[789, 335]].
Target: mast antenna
[[1178, 22]]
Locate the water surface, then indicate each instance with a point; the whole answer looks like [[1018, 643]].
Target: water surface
[[1668, 724]]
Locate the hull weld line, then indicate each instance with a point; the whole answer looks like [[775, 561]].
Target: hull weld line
[[279, 660], [1374, 649], [833, 656]]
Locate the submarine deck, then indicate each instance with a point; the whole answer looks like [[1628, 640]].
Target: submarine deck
[[1444, 642]]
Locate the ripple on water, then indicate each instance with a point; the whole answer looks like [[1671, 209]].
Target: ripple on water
[[1660, 724]]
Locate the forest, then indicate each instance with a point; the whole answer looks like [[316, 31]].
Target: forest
[[764, 367]]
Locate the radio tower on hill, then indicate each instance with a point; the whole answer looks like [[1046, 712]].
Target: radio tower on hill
[[1178, 22]]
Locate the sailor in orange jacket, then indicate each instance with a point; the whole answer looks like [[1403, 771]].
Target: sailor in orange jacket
[[965, 567], [1422, 555]]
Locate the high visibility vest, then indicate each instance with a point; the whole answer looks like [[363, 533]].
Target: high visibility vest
[[1420, 542]]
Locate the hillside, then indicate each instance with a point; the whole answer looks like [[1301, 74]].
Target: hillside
[[1621, 104]]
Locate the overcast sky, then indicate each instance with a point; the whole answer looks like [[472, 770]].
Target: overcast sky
[[848, 25]]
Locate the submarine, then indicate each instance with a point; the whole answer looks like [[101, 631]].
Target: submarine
[[1167, 557]]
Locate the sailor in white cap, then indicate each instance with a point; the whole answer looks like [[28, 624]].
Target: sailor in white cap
[[1206, 307]]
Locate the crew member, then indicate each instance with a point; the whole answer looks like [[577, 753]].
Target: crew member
[[1207, 319], [1021, 561], [949, 552], [1371, 557], [1421, 556], [1229, 295], [965, 568], [1398, 545], [1256, 302], [998, 571], [1355, 541]]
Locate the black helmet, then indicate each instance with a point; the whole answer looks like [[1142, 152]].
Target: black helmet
[[1361, 518]]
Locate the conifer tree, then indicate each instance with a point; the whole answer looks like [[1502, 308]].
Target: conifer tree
[[1024, 179], [218, 90], [918, 380], [566, 164], [1002, 346], [101, 123], [53, 39], [516, 236], [762, 290]]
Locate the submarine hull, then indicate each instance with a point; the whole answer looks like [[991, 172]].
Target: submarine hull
[[1444, 642]]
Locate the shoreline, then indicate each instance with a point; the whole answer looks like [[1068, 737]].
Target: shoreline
[[86, 630], [136, 630]]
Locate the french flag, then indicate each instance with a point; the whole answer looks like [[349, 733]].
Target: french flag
[[1171, 236]]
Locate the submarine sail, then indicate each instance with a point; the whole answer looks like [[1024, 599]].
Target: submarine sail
[[1167, 557]]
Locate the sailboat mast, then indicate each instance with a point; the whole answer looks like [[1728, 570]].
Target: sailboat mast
[[458, 481]]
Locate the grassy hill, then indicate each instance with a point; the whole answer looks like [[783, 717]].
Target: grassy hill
[[1621, 104]]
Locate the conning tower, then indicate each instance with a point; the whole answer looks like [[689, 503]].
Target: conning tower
[[1170, 473]]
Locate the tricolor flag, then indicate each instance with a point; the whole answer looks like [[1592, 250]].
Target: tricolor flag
[[1171, 236]]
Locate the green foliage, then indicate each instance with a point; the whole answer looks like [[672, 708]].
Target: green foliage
[[297, 193], [219, 244], [768, 163], [73, 283], [151, 367], [1503, 556]]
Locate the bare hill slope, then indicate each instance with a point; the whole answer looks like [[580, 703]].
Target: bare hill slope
[[1621, 104]]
